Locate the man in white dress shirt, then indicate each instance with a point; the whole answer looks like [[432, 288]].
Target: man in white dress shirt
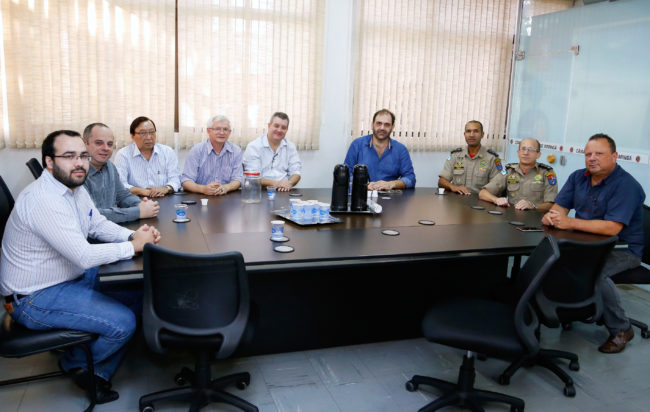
[[45, 253], [147, 168], [273, 156]]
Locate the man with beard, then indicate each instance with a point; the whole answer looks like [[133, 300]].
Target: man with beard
[[273, 156], [607, 201], [389, 163], [45, 253], [468, 170]]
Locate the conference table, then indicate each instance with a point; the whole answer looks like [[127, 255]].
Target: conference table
[[347, 282]]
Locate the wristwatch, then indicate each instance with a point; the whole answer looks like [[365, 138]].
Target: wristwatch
[[131, 236], [171, 189]]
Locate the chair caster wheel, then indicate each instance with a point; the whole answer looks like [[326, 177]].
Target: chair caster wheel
[[567, 326], [574, 365], [504, 379], [241, 385], [645, 334], [180, 379], [411, 386], [147, 408], [570, 391]]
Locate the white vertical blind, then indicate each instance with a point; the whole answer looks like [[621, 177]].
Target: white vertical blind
[[247, 59], [436, 64], [73, 62]]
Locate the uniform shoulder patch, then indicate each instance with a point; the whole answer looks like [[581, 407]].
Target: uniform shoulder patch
[[552, 179], [456, 150], [544, 166], [499, 166]]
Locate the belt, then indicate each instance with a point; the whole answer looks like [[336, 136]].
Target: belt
[[11, 299]]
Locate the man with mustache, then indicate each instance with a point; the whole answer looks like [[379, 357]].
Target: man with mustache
[[389, 163], [273, 156], [45, 253], [607, 201], [468, 169], [103, 184], [528, 184]]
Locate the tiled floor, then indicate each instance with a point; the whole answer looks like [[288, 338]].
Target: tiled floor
[[367, 377]]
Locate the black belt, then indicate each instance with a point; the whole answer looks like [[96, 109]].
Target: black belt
[[10, 298]]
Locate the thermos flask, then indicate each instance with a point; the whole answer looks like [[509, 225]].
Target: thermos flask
[[359, 188], [340, 188]]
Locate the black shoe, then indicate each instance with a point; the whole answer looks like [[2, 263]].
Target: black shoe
[[103, 392]]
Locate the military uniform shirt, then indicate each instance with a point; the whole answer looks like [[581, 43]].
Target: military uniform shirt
[[461, 170], [538, 185]]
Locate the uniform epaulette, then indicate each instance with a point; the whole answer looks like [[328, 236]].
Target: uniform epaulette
[[493, 153], [544, 166], [511, 165], [458, 149]]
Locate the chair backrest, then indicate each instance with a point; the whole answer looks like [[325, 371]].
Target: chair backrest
[[527, 282], [6, 205], [646, 235], [571, 290], [35, 167], [195, 295]]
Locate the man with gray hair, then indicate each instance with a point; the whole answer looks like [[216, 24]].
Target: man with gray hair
[[214, 167]]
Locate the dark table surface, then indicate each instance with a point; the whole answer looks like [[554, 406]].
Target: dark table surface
[[227, 224]]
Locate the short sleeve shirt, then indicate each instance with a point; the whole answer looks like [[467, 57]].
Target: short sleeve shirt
[[473, 173], [538, 185], [618, 198]]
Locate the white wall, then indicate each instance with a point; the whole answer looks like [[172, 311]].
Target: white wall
[[336, 116]]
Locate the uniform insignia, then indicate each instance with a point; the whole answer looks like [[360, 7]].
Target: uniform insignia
[[503, 172], [482, 169], [513, 179], [493, 153], [544, 166], [459, 165], [458, 149], [552, 179], [483, 163], [497, 163], [538, 177]]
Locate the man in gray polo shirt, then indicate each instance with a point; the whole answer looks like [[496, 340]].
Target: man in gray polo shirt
[[113, 200]]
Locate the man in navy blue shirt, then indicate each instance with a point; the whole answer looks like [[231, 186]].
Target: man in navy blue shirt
[[608, 201], [389, 163]]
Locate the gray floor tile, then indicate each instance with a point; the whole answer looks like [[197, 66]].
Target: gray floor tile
[[312, 398]]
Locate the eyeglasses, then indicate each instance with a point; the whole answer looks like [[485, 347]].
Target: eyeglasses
[[528, 149], [70, 157], [219, 129], [146, 132]]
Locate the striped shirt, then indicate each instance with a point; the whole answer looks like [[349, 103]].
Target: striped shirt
[[45, 244], [110, 196], [278, 165], [160, 170], [203, 165]]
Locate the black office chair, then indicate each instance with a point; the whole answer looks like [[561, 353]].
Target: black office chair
[[35, 167], [570, 292], [639, 275], [16, 341], [492, 328], [198, 303]]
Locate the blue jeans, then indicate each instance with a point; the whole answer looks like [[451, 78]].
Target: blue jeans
[[77, 305]]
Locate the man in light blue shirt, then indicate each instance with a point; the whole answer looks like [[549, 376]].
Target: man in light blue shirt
[[389, 163], [214, 167], [147, 168], [273, 156]]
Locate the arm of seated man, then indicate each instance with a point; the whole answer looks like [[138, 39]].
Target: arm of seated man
[[485, 194], [442, 182], [384, 185]]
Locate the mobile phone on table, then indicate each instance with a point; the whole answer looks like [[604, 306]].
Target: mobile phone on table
[[529, 228]]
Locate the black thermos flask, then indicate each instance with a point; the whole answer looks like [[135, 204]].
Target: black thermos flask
[[360, 188], [340, 188]]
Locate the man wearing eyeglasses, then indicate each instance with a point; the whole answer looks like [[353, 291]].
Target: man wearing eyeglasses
[[468, 169], [103, 183], [214, 166], [527, 185], [45, 254], [147, 168], [607, 201], [273, 156]]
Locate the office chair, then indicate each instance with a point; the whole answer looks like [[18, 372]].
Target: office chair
[[198, 303], [35, 167], [569, 292], [639, 275], [492, 328], [16, 341]]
